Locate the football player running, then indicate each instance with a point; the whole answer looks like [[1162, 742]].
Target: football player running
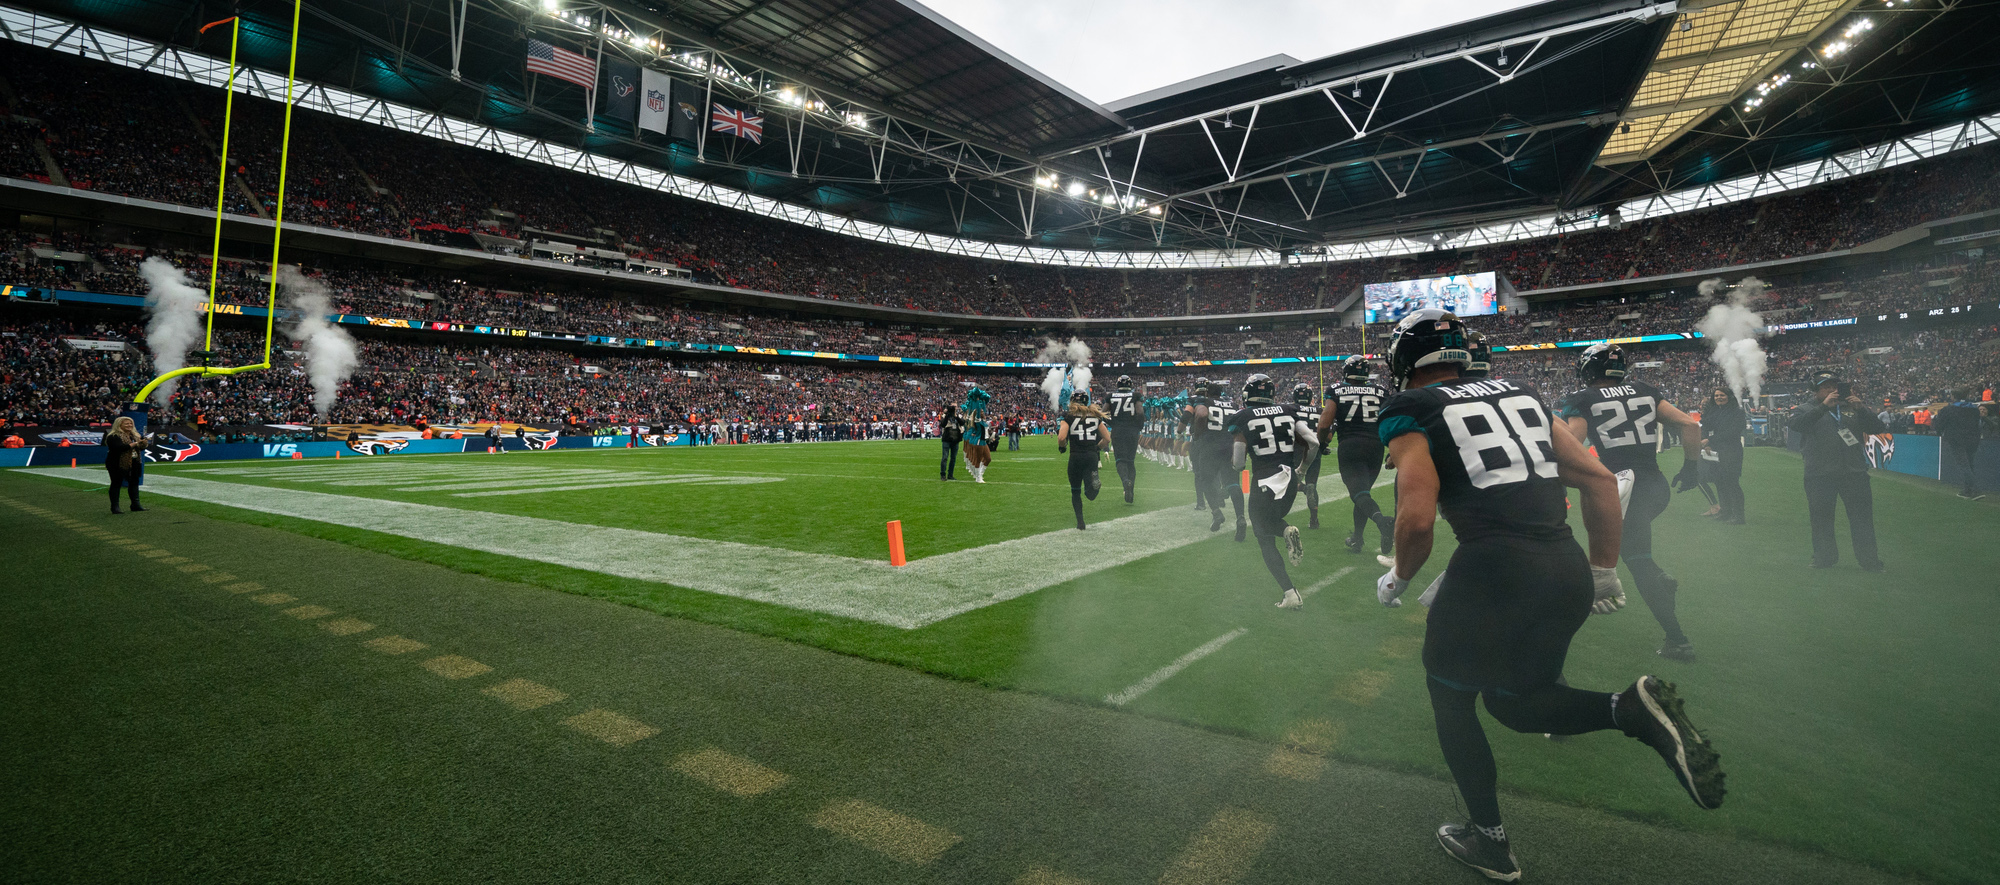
[[1125, 421], [1309, 414], [1279, 443], [1223, 480], [1352, 409], [1519, 586], [1621, 417], [1195, 458], [1082, 433]]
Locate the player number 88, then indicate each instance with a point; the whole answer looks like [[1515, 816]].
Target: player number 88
[[1529, 427]]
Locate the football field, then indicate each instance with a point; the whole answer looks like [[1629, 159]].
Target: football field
[[1022, 702]]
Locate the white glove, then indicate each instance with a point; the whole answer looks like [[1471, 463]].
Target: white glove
[[1608, 594], [1388, 587], [1431, 592]]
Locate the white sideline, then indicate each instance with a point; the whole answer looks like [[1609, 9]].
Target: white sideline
[[924, 592], [1133, 691]]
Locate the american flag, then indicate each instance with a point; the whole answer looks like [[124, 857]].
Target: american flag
[[734, 122], [561, 64]]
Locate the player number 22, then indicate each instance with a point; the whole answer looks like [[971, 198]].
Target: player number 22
[[1530, 432]]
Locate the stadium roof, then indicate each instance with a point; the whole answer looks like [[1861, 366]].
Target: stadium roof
[[883, 119]]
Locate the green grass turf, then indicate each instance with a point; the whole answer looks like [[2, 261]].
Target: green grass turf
[[162, 728], [1850, 709]]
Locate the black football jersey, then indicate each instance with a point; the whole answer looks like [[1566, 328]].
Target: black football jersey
[[1124, 407], [1495, 458], [1086, 433], [1309, 416], [1623, 421], [1267, 435], [1356, 408]]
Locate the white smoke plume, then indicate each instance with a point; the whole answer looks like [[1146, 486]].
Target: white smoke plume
[[174, 311], [331, 355], [1732, 329], [1076, 355]]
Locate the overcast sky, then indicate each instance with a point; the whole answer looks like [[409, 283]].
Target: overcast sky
[[1110, 49]]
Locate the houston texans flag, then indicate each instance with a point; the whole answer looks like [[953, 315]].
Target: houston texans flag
[[739, 123], [562, 64]]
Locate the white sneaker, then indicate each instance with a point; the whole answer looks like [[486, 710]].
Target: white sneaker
[[1292, 601], [1386, 561]]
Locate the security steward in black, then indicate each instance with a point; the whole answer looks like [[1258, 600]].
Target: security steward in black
[[1833, 436]]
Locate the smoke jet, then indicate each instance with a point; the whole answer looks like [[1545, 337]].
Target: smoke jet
[[331, 354], [173, 320], [1075, 357], [1732, 329]]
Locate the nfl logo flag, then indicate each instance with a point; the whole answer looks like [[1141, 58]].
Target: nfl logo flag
[[737, 123], [656, 101], [561, 64]]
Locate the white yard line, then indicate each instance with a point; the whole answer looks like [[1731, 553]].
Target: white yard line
[[1327, 581], [690, 480], [1136, 689], [924, 592]]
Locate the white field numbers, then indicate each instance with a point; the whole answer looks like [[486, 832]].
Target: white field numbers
[[1520, 438], [1612, 415], [1269, 440]]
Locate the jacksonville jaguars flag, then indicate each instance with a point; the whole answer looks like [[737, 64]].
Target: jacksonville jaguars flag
[[618, 94], [670, 107]]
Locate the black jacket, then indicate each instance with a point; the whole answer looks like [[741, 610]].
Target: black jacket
[[116, 449], [1959, 423], [1826, 450], [1724, 426]]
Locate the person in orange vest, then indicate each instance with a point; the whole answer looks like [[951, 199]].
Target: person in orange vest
[[429, 434], [64, 444], [14, 442]]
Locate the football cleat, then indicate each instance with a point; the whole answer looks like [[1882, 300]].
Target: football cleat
[[1651, 711], [1387, 525], [1093, 485], [1683, 652], [1215, 524], [1353, 543], [1293, 547], [1315, 521], [1386, 561], [1493, 858], [1292, 601], [1242, 530]]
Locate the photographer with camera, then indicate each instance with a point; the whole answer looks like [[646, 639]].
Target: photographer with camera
[[1834, 430]]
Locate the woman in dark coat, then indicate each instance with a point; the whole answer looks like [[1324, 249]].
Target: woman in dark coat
[[124, 460], [1723, 425]]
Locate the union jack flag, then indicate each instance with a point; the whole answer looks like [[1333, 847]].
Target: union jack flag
[[739, 123]]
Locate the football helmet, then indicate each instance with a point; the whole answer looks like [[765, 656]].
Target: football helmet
[[1124, 382], [1482, 354], [1424, 338], [1302, 394], [1260, 387], [1601, 361], [1357, 368], [1081, 396]]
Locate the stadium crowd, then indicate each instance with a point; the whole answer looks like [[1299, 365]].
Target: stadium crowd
[[35, 261], [138, 134], [47, 382]]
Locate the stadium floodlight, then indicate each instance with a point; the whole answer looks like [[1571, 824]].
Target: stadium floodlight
[[554, 7], [1075, 189]]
